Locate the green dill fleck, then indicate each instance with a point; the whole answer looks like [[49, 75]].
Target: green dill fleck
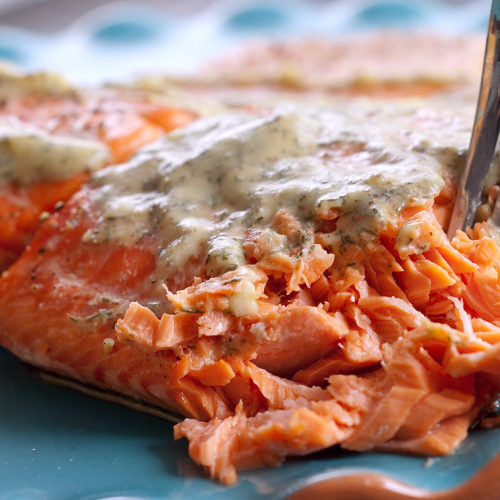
[[190, 310], [229, 346], [345, 238], [234, 280], [100, 316]]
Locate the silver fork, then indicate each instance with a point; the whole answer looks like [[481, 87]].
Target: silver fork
[[484, 133]]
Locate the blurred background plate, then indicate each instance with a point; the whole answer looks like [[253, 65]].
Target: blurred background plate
[[91, 41]]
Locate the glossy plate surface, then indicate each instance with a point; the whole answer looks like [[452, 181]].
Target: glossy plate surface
[[57, 444]]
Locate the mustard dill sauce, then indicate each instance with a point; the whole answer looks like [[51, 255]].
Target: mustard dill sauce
[[203, 186]]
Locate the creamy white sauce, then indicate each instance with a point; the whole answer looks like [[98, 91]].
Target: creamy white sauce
[[29, 155], [201, 187]]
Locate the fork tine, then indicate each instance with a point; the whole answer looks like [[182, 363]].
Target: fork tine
[[484, 133]]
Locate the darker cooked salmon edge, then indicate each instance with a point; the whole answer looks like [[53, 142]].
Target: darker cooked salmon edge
[[300, 334]]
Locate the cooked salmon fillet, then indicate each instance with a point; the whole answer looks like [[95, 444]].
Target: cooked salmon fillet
[[281, 278], [387, 65]]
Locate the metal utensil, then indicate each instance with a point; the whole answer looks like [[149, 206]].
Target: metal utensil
[[484, 133]]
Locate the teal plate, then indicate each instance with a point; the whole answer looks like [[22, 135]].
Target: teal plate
[[57, 444]]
